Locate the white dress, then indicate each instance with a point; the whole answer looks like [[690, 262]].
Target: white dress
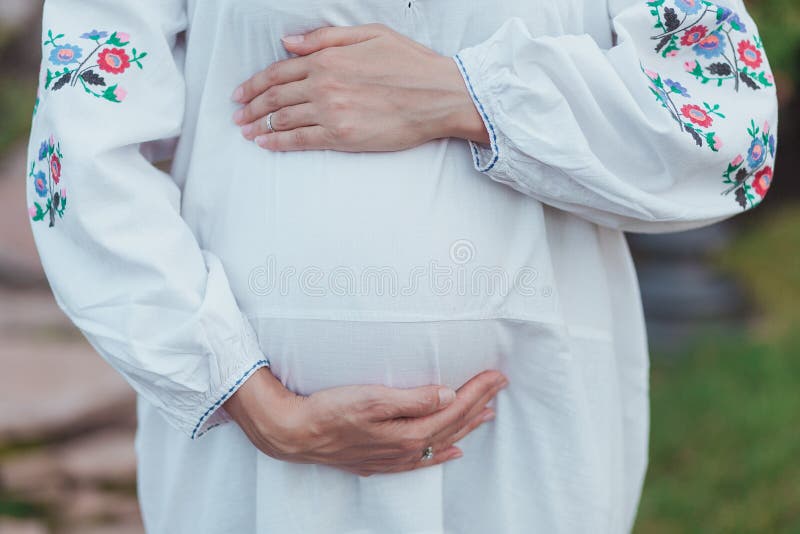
[[422, 266]]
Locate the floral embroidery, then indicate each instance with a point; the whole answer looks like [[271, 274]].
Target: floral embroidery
[[44, 183], [691, 118], [755, 165], [719, 56], [110, 55]]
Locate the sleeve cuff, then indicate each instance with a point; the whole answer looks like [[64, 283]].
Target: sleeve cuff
[[242, 358], [485, 157]]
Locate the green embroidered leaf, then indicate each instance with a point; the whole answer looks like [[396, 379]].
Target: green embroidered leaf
[[110, 93], [40, 213], [655, 3], [711, 139], [114, 40], [762, 77]]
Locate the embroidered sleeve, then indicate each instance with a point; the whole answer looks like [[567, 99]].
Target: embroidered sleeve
[[121, 261], [670, 126]]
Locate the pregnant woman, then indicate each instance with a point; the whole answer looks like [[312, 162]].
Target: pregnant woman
[[371, 203]]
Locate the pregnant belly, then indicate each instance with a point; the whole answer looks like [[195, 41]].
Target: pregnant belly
[[389, 268], [310, 355]]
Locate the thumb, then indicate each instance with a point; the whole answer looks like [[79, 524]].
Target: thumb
[[313, 41], [413, 402]]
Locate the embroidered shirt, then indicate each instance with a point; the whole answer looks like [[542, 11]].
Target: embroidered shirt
[[422, 266]]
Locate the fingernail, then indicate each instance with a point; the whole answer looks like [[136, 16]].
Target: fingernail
[[293, 39], [247, 129], [261, 141], [238, 115], [488, 417], [446, 396], [457, 455], [238, 94]]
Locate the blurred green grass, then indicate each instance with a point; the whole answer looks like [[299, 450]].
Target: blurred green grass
[[779, 27], [725, 428], [16, 107]]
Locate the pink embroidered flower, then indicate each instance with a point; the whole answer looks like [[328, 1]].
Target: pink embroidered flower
[[738, 161], [120, 94], [32, 211], [650, 74], [694, 35], [55, 168], [749, 54], [762, 181], [697, 115], [770, 78], [123, 37], [113, 60], [689, 66], [717, 142], [672, 53], [766, 127], [63, 192]]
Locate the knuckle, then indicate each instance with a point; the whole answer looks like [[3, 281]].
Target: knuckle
[[270, 98], [299, 138], [342, 130], [280, 119], [269, 75]]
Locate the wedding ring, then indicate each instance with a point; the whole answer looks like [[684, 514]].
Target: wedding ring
[[427, 454], [269, 122]]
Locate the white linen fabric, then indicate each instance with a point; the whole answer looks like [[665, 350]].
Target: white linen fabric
[[422, 266]]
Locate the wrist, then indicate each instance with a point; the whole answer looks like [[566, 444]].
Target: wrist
[[462, 119]]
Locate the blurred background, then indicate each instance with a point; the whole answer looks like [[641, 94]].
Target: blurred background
[[723, 319]]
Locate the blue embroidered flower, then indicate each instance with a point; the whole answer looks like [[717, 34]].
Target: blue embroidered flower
[[65, 54], [676, 87], [723, 13], [737, 24], [94, 35], [712, 45], [757, 153], [772, 144], [44, 150], [40, 184], [690, 7]]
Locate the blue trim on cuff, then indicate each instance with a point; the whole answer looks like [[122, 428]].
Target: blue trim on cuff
[[259, 363], [493, 134]]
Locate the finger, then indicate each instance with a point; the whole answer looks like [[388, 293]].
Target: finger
[[485, 415], [305, 138], [373, 468], [471, 398], [331, 36], [284, 119], [392, 403], [274, 98], [280, 72]]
